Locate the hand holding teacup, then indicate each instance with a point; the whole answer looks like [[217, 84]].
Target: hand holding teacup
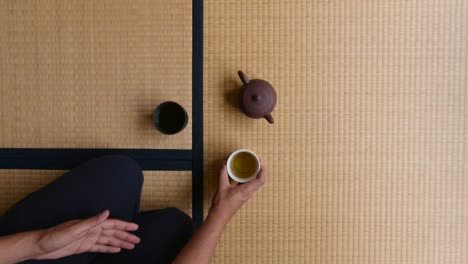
[[230, 197]]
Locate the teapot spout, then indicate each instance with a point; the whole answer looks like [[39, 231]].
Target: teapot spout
[[243, 77], [269, 118]]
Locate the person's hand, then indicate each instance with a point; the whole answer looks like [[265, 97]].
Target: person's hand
[[230, 197], [227, 201], [95, 234]]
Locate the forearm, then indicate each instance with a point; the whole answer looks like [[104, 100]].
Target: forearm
[[201, 248], [19, 247]]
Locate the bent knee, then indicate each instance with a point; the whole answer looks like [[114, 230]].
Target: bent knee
[[123, 169]]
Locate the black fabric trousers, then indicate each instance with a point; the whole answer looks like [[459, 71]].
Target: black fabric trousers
[[111, 182]]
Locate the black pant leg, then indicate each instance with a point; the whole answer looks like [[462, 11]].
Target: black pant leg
[[163, 234], [111, 182]]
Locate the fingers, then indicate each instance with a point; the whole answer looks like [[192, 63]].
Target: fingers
[[118, 239], [115, 242], [104, 249], [262, 174], [122, 235], [119, 225], [81, 227], [248, 188], [253, 185]]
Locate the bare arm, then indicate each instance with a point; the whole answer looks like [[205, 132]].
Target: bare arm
[[95, 234], [227, 201], [18, 247]]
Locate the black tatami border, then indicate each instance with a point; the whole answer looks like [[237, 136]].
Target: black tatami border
[[197, 111], [65, 159]]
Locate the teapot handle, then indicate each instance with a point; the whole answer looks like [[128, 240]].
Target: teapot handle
[[269, 118], [243, 77]]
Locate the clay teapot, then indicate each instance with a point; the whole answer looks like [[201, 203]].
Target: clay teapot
[[258, 98]]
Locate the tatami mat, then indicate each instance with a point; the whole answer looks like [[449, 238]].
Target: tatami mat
[[17, 184], [160, 189], [88, 74], [367, 159], [163, 189]]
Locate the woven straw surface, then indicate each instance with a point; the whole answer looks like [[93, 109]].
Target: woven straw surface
[[88, 74], [367, 159]]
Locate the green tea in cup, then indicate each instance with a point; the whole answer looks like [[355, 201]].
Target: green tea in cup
[[243, 165]]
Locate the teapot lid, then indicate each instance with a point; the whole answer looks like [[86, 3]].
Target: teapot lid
[[258, 98]]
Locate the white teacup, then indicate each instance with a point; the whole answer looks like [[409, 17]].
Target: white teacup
[[243, 165]]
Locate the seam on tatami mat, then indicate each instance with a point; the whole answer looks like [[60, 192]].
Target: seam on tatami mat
[[197, 111], [63, 159]]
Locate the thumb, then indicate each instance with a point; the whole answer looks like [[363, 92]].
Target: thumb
[[223, 177], [83, 226]]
